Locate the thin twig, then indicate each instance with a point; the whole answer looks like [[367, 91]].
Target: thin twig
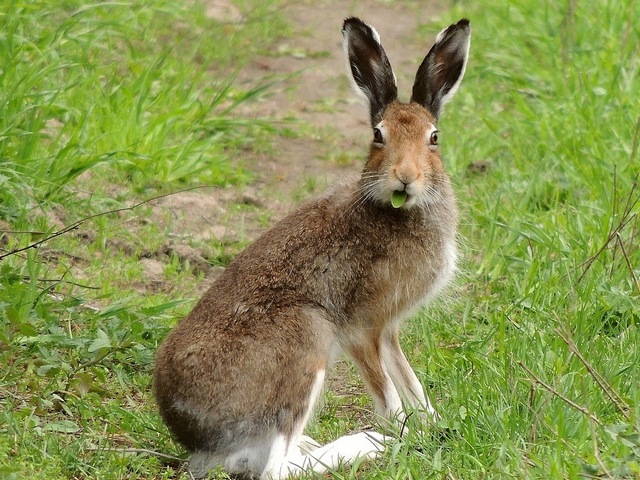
[[77, 224], [66, 282], [626, 217], [404, 424], [553, 391], [617, 400], [23, 232], [136, 450], [626, 257], [50, 237]]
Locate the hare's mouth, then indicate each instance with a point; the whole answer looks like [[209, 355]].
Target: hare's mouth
[[398, 198]]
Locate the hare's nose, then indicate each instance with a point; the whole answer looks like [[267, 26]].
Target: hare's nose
[[406, 176], [406, 170]]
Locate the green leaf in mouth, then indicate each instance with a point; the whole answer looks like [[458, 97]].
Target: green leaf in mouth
[[398, 198]]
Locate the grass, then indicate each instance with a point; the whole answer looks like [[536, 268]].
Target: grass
[[551, 256], [101, 107], [532, 360]]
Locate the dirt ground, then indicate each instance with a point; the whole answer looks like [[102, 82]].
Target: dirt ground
[[330, 129]]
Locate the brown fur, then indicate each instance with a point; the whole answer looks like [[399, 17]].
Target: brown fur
[[340, 272], [336, 270]]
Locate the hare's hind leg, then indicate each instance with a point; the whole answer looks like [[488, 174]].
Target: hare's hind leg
[[285, 456], [307, 444], [289, 456], [345, 451], [286, 462]]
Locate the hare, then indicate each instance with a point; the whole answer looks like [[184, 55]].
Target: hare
[[237, 380]]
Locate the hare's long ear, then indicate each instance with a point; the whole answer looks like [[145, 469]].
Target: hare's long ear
[[371, 74], [441, 71]]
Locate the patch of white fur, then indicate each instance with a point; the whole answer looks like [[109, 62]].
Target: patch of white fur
[[279, 456], [376, 35], [286, 456], [390, 406], [449, 268], [307, 444], [440, 35], [346, 450]]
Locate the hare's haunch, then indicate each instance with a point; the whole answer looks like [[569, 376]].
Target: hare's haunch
[[236, 381]]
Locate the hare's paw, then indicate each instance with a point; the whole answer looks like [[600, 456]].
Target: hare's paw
[[307, 444], [345, 450]]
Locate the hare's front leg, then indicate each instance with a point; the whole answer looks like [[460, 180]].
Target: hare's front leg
[[367, 354], [404, 378]]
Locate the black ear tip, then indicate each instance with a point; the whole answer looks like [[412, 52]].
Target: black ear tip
[[352, 22], [463, 24]]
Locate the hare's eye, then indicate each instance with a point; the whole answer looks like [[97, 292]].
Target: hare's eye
[[377, 136], [433, 139]]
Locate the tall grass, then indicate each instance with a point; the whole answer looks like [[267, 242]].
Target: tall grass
[[143, 90]]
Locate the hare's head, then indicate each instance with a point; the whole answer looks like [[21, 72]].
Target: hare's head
[[404, 168]]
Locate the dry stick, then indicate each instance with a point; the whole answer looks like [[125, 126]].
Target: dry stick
[[404, 424], [553, 391], [626, 257], [136, 450], [628, 207], [627, 217], [62, 280], [77, 224], [617, 400], [54, 235]]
